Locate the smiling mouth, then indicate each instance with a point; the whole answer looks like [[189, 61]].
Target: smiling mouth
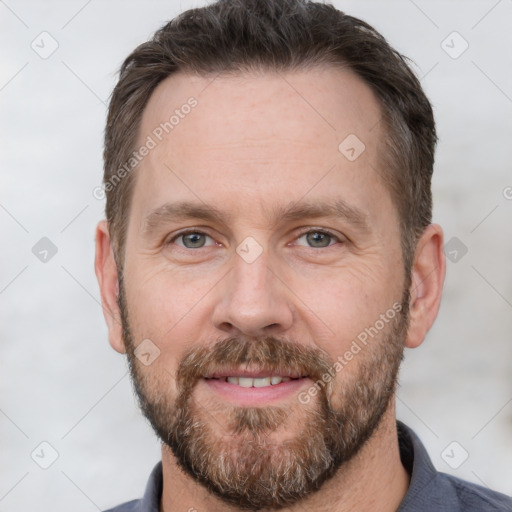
[[254, 382]]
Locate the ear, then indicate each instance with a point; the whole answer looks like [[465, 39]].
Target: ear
[[428, 272], [106, 273]]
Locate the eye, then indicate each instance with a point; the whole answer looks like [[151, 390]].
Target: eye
[[318, 238], [315, 238], [191, 239]]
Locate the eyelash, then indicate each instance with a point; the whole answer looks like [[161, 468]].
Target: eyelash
[[301, 234]]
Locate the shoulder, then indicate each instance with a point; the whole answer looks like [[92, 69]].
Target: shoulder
[[150, 502], [473, 497], [130, 506], [430, 489]]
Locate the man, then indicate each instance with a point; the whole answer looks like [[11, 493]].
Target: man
[[267, 255]]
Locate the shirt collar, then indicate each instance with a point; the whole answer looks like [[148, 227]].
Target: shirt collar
[[417, 462], [153, 493]]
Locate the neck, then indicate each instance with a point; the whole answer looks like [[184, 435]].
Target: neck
[[373, 480]]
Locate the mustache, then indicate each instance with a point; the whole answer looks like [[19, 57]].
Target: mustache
[[278, 356]]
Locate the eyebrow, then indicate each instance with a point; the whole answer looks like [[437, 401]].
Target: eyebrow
[[184, 210]]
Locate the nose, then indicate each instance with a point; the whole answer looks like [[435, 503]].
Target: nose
[[253, 301]]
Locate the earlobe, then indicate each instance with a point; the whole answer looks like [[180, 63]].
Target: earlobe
[[106, 273], [428, 273]]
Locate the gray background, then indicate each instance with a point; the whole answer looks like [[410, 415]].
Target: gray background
[[61, 383]]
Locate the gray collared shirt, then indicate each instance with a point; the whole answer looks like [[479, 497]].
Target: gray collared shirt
[[429, 490]]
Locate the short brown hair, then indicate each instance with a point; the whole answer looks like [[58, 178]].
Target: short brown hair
[[244, 35]]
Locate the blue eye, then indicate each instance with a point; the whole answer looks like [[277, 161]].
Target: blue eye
[[192, 239], [318, 238], [315, 238]]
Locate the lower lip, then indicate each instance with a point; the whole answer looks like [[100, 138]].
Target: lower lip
[[255, 396]]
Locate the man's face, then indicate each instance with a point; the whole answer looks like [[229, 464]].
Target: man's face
[[251, 306]]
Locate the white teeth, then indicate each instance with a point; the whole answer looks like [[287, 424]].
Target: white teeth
[[245, 382], [259, 382]]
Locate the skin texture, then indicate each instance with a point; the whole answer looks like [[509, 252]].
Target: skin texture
[[252, 146]]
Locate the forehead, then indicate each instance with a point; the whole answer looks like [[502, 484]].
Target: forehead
[[318, 102], [255, 133]]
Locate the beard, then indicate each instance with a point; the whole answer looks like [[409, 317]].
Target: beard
[[232, 451]]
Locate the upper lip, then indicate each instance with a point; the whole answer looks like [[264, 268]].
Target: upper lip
[[255, 374]]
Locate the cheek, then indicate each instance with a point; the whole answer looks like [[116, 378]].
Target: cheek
[[165, 308], [345, 302], [161, 299]]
